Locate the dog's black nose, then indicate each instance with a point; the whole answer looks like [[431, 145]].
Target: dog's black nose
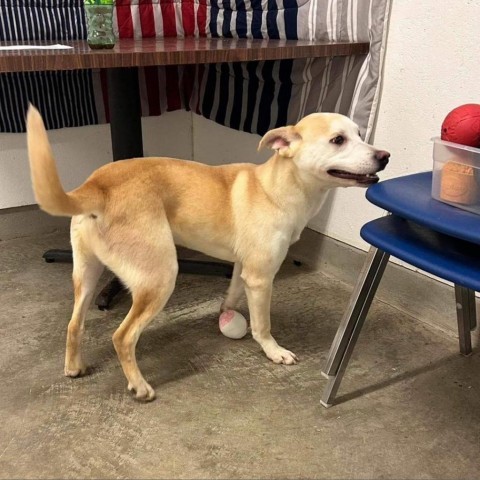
[[382, 156]]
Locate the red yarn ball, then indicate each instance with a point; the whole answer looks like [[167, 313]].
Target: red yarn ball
[[462, 125]]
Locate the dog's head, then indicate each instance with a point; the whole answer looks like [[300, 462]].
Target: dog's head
[[329, 147]]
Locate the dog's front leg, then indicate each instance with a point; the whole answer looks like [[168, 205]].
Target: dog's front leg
[[259, 294], [235, 290]]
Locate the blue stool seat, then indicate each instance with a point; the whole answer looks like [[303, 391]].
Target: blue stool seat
[[410, 197], [442, 255], [433, 236]]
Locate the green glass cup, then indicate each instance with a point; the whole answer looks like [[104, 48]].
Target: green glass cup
[[100, 23]]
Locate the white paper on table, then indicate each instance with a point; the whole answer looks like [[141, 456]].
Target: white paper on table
[[35, 47]]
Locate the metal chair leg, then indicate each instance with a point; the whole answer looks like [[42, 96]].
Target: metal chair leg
[[466, 317], [473, 312], [352, 322]]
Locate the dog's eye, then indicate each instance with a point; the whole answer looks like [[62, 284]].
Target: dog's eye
[[338, 140]]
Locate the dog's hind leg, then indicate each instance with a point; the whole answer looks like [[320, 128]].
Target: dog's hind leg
[[149, 269], [146, 303], [86, 272], [235, 290]]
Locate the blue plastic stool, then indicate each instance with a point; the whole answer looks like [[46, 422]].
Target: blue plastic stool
[[435, 237]]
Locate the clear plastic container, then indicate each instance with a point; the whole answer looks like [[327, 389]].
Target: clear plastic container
[[99, 15], [456, 175]]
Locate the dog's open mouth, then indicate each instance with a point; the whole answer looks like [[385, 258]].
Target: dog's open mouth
[[365, 179]]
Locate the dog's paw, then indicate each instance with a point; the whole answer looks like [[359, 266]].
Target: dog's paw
[[282, 355], [224, 307], [143, 392], [74, 371]]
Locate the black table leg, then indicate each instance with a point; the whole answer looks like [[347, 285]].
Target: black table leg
[[125, 113], [127, 142]]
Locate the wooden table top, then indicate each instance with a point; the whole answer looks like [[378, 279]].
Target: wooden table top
[[168, 51]]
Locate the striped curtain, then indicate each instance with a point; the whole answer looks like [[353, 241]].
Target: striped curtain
[[65, 98], [252, 97]]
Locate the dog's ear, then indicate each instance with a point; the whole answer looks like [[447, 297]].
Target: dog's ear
[[282, 139]]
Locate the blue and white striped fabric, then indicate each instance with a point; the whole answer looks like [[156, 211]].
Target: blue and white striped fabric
[[42, 20], [252, 97], [66, 98]]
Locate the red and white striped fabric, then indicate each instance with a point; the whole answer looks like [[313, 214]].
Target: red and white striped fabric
[[147, 18]]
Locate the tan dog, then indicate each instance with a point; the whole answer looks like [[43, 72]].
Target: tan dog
[[130, 214]]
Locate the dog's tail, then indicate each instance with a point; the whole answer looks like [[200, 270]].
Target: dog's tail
[[48, 190]]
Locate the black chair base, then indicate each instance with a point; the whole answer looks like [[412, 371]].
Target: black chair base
[[62, 256], [114, 287], [109, 292]]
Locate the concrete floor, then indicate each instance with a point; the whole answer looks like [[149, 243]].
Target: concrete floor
[[408, 406]]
